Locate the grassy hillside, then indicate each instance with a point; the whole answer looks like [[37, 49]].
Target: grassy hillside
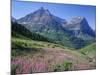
[[39, 56], [89, 51], [65, 39], [22, 32], [31, 53], [26, 43]]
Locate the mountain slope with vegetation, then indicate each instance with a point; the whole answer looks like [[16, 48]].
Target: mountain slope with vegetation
[[20, 31], [42, 42], [90, 52], [40, 56], [43, 22]]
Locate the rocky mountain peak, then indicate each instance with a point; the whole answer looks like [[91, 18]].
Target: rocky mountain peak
[[39, 16], [77, 19], [42, 11], [13, 19], [43, 20]]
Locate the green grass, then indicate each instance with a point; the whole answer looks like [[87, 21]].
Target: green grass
[[27, 43], [89, 51], [56, 57], [65, 66], [24, 46], [18, 44]]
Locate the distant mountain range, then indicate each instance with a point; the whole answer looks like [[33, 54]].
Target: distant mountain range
[[74, 34]]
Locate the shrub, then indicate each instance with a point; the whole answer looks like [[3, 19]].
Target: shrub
[[66, 66], [13, 69], [57, 68]]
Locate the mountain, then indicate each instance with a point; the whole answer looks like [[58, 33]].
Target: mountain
[[13, 19], [41, 16], [20, 31], [75, 34], [44, 23], [81, 28], [41, 20]]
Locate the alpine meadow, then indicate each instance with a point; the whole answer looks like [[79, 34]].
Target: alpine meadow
[[49, 37]]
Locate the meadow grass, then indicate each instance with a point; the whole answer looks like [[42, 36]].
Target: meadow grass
[[29, 56]]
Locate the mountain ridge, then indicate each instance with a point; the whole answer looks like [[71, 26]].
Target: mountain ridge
[[76, 32]]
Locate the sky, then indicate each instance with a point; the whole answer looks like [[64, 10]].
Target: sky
[[65, 11]]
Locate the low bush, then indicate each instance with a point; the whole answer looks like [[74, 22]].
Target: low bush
[[66, 66], [13, 69]]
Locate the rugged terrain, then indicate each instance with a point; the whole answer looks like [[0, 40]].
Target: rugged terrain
[[42, 42]]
